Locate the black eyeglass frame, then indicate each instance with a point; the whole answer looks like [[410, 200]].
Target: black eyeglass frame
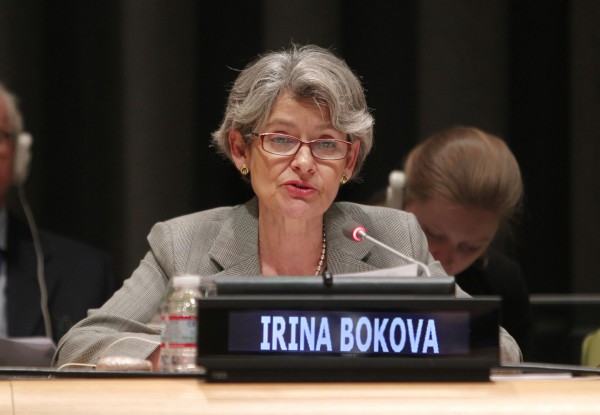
[[308, 143]]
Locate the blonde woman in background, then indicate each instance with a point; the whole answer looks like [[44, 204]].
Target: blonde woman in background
[[464, 186]]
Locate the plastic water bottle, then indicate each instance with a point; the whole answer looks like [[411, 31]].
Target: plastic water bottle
[[180, 326], [178, 315]]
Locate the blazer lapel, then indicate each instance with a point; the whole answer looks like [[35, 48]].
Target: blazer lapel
[[236, 246], [344, 255]]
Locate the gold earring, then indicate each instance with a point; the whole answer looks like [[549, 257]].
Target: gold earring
[[244, 170], [344, 179]]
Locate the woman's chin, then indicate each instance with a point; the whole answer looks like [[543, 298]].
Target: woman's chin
[[299, 209]]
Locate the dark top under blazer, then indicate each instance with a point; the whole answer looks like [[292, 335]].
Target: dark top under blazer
[[502, 276], [78, 277]]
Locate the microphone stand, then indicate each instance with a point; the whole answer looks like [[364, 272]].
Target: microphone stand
[[327, 278]]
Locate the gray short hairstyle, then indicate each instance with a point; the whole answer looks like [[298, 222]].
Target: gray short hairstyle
[[307, 72], [15, 119]]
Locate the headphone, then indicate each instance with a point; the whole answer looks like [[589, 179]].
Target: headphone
[[23, 144], [395, 191]]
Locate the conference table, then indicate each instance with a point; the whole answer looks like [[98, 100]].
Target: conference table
[[505, 394]]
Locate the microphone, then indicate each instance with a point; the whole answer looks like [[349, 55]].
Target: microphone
[[357, 232]]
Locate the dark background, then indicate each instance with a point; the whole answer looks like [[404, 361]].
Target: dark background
[[121, 97]]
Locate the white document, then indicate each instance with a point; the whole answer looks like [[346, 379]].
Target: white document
[[409, 270], [26, 351]]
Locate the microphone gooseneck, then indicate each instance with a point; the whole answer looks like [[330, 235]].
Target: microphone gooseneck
[[356, 232]]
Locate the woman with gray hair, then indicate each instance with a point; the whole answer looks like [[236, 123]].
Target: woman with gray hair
[[297, 127]]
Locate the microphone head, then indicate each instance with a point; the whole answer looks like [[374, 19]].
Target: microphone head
[[354, 230]]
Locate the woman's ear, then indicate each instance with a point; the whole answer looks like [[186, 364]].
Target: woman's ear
[[351, 157], [238, 148]]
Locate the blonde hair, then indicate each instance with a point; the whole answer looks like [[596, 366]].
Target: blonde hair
[[466, 166]]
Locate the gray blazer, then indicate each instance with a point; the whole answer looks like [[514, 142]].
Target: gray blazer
[[223, 241]]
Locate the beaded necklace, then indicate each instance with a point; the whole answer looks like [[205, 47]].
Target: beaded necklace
[[323, 251]]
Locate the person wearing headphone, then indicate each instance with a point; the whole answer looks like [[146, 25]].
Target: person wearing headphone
[[464, 186], [47, 282]]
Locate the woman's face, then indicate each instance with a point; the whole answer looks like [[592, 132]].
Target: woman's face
[[457, 235], [298, 186]]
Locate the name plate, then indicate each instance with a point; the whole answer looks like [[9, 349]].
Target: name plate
[[354, 338], [349, 333]]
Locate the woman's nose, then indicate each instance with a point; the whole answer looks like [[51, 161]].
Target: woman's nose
[[304, 160], [445, 257]]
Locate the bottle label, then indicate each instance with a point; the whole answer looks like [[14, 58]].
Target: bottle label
[[163, 331], [181, 331]]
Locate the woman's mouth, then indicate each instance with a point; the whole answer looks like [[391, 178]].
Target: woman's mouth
[[298, 188]]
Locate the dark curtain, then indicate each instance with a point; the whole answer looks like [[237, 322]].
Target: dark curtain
[[122, 129]]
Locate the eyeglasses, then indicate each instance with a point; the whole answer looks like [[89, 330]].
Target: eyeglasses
[[288, 145]]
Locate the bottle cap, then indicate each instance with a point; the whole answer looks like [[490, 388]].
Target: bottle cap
[[186, 281]]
